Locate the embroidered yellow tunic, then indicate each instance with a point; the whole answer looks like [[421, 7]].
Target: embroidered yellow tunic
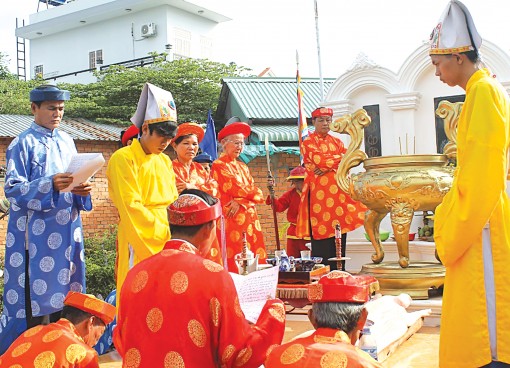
[[477, 198]]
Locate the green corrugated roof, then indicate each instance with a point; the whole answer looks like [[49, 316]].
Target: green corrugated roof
[[275, 98], [277, 133]]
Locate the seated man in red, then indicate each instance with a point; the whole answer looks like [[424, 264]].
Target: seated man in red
[[338, 314], [67, 342], [179, 309]]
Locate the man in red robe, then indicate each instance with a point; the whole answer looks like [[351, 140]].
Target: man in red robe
[[67, 342], [290, 201], [323, 203], [338, 314], [179, 309]]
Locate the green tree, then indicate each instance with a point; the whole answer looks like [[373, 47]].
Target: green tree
[[4, 70], [195, 85]]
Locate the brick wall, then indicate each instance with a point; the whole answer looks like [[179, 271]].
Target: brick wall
[[105, 214]]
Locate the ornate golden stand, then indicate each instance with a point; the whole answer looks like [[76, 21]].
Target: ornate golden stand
[[398, 185], [415, 280]]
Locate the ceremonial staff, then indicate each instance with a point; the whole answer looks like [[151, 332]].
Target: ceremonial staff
[[270, 186]]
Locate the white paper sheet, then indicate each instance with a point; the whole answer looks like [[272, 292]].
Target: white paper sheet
[[82, 167], [254, 289]]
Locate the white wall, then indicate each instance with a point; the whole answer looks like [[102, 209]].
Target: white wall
[[68, 52]]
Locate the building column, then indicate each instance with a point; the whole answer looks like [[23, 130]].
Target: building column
[[404, 106]]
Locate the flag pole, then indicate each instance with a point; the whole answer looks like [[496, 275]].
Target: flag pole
[[270, 186], [318, 49]]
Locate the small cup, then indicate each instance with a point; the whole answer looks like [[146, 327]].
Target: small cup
[[306, 254]]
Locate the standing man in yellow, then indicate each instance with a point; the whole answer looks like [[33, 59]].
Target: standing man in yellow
[[141, 181], [472, 231]]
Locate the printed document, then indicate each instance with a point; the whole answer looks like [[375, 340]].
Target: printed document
[[82, 167]]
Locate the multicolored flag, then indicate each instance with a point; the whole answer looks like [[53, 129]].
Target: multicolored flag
[[209, 144], [302, 125]]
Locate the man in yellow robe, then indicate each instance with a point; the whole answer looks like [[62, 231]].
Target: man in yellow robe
[[472, 231], [141, 181]]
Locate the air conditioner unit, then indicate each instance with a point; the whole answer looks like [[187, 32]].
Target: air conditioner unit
[[148, 30]]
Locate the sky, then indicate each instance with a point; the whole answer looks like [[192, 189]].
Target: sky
[[267, 33]]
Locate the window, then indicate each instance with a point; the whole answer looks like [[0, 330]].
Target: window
[[205, 47], [95, 58], [38, 71], [182, 43]]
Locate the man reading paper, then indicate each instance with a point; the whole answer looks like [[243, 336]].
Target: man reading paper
[[44, 256], [179, 309]]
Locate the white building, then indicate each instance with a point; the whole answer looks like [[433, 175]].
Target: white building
[[405, 101], [83, 35], [402, 105]]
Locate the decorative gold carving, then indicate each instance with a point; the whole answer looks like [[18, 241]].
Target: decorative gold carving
[[450, 112], [398, 185], [352, 125]]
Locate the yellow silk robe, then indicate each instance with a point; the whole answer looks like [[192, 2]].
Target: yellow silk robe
[[141, 186], [477, 197]]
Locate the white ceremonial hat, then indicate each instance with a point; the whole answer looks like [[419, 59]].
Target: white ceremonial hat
[[455, 32], [154, 106]]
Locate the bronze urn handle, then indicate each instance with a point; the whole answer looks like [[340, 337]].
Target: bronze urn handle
[[353, 125]]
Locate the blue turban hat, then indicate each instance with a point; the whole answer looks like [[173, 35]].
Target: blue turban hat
[[48, 92]]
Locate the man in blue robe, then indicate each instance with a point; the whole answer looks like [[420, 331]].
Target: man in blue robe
[[44, 255]]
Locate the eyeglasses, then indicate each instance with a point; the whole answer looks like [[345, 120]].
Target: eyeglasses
[[237, 143]]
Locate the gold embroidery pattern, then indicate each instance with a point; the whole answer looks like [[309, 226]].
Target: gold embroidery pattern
[[154, 319], [139, 281], [315, 292], [197, 333], [212, 266], [21, 349], [33, 331], [278, 312], [167, 252], [94, 304], [227, 353], [75, 353], [52, 336], [292, 354], [132, 359], [243, 357], [237, 308], [179, 282], [337, 275], [270, 349], [214, 306], [334, 359], [174, 360], [44, 360]]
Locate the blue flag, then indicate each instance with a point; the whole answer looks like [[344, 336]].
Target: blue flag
[[209, 144]]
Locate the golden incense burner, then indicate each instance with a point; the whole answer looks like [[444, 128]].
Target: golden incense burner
[[398, 185]]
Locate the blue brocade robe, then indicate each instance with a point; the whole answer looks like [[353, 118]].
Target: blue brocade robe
[[44, 221]]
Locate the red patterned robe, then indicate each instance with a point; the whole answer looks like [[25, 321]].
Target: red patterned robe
[[55, 345], [290, 201], [326, 347], [329, 204], [198, 176], [235, 182], [181, 310]]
